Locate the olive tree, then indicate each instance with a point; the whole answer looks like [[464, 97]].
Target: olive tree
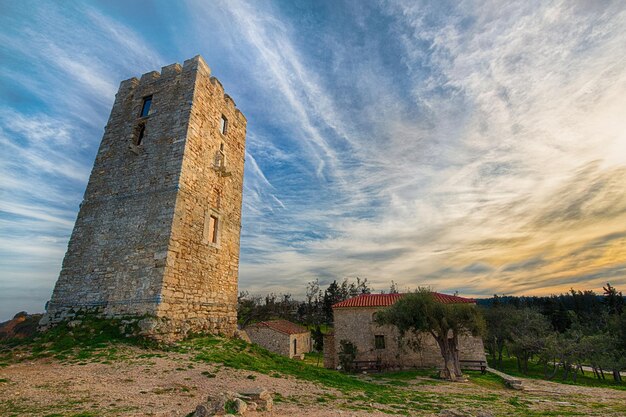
[[418, 313]]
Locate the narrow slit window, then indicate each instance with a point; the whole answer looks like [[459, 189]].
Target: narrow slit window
[[211, 228], [140, 134], [213, 225], [223, 125], [218, 198], [145, 109]]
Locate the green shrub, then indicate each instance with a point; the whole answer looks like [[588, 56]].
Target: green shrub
[[347, 355]]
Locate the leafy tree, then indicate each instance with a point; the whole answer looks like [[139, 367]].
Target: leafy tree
[[614, 300], [340, 292], [318, 339], [347, 354], [615, 355], [559, 316], [500, 320], [529, 328], [252, 309], [332, 295], [419, 312], [584, 329], [248, 308], [311, 310], [529, 332], [359, 287]]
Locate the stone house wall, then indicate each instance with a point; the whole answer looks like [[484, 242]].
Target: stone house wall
[[303, 344], [357, 326], [279, 342], [139, 245], [330, 356], [270, 339]]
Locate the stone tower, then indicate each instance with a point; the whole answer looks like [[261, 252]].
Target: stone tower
[[157, 234]]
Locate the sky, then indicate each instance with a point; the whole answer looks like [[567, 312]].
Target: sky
[[470, 146]]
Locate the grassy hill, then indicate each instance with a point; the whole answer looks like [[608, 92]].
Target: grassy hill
[[147, 377]]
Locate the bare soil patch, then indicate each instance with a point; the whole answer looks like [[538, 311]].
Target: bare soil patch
[[155, 383]]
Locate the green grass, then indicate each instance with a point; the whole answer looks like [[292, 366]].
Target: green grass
[[487, 380], [383, 391], [406, 375], [535, 371], [314, 359], [94, 340], [391, 393]]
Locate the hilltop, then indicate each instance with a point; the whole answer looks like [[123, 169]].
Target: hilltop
[[95, 370]]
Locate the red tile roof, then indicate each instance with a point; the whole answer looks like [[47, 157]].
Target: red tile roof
[[282, 326], [385, 300]]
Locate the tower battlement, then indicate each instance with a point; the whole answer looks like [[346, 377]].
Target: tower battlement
[[157, 234]]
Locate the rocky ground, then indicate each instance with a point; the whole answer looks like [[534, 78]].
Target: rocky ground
[[141, 382]]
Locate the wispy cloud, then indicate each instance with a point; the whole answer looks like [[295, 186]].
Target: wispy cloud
[[471, 146], [508, 135], [61, 71]]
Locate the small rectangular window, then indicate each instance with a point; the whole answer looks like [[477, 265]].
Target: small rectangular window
[[210, 232], [223, 125], [145, 109], [379, 341]]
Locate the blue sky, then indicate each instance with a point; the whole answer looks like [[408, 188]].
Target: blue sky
[[472, 146]]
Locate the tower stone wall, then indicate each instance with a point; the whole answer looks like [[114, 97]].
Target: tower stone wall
[[157, 234]]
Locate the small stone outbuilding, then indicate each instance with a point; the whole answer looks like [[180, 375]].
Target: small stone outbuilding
[[354, 321], [281, 336]]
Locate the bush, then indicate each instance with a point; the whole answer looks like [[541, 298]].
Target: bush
[[347, 355]]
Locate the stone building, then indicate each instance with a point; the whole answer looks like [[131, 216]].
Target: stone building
[[354, 322], [281, 336], [157, 234]]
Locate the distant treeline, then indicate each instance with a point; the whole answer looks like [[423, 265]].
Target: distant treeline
[[561, 332], [585, 305]]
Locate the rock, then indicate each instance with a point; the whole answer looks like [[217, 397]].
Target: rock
[[147, 324], [230, 395], [203, 410], [252, 406], [217, 405], [21, 314], [240, 406], [266, 405], [261, 397], [484, 414], [74, 323], [257, 393], [241, 334]]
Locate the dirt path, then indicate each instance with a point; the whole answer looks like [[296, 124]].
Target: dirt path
[[172, 384]]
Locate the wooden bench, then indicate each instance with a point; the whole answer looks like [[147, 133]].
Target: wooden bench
[[474, 365], [367, 366]]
